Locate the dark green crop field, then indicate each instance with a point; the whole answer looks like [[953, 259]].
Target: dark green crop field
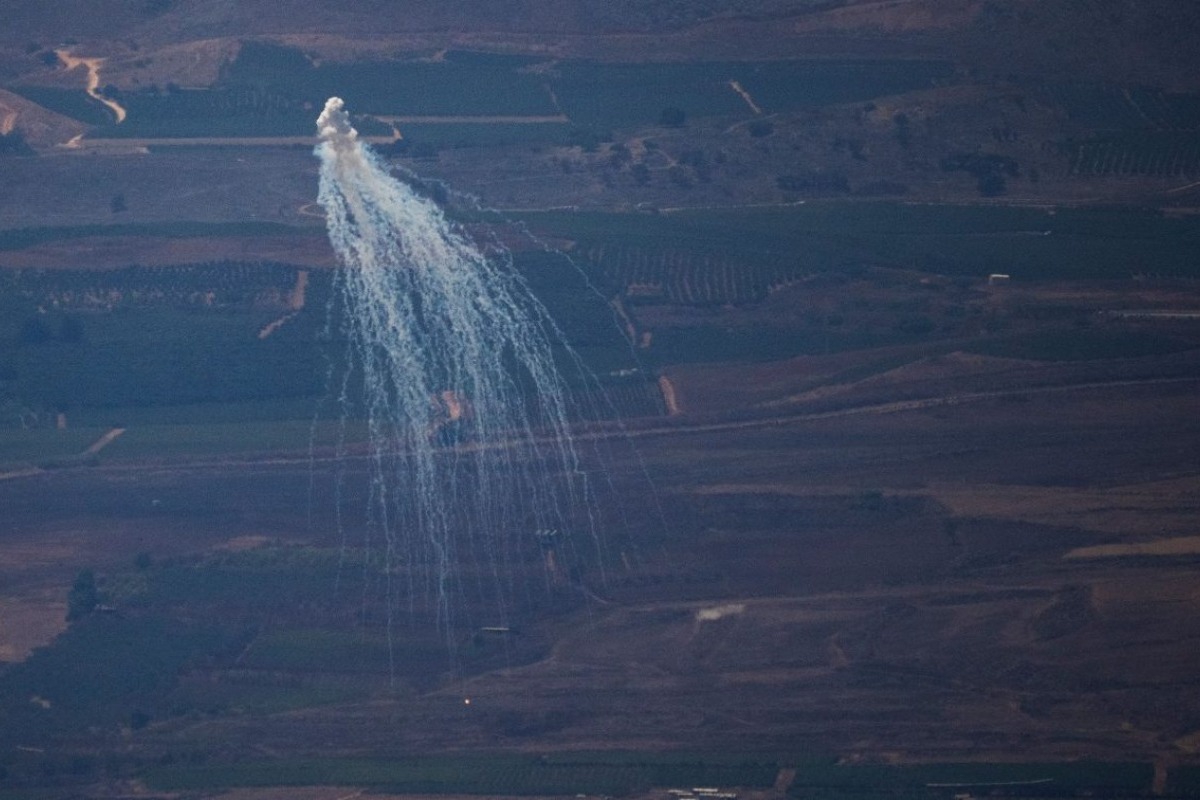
[[1030, 244]]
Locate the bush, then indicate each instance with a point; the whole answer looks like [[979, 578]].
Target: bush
[[83, 597], [13, 144]]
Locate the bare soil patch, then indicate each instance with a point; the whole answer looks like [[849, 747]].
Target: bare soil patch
[[40, 126], [1151, 509], [1176, 546], [30, 621]]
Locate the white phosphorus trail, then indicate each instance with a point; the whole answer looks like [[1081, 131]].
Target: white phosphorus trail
[[451, 362]]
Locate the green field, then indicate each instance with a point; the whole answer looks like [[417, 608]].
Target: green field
[[1030, 244], [21, 447], [620, 773], [162, 356], [592, 774], [614, 95], [74, 103]]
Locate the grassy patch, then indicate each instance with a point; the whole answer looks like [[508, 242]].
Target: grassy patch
[[20, 447], [499, 774], [1028, 244], [294, 409], [631, 95], [160, 356], [218, 438], [320, 650], [252, 583], [250, 693], [74, 103]]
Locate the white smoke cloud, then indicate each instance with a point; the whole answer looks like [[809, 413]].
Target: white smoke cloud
[[333, 125], [717, 612], [428, 315]]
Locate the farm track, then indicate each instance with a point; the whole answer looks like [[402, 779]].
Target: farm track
[[93, 66]]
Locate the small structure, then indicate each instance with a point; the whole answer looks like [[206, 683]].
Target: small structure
[[998, 279]]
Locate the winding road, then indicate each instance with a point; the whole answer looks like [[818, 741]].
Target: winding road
[[93, 66]]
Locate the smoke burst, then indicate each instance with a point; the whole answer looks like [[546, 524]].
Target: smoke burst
[[474, 472]]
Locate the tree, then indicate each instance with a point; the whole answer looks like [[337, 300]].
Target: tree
[[83, 597]]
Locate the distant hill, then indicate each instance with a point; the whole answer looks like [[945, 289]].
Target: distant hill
[[1150, 41]]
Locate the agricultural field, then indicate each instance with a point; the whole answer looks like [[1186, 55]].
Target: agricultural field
[[884, 330], [1159, 154], [712, 257], [496, 775], [79, 346], [229, 335], [284, 643], [275, 91]]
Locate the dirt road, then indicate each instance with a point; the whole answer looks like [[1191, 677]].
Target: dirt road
[[93, 66]]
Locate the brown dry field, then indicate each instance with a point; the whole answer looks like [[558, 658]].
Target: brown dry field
[[995, 579]]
